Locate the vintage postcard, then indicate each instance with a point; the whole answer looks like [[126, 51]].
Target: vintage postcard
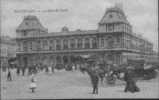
[[79, 49]]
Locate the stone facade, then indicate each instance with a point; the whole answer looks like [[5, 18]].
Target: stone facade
[[113, 41]]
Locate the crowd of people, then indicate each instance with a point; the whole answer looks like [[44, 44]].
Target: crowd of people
[[96, 71]]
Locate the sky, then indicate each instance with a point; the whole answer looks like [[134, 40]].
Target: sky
[[80, 14]]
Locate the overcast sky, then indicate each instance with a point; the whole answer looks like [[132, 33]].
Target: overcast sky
[[80, 14]]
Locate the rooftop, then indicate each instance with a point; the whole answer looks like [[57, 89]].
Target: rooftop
[[30, 22], [114, 14]]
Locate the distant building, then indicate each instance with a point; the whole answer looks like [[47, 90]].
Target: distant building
[[8, 49], [113, 41]]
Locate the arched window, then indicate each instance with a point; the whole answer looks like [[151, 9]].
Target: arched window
[[94, 43], [72, 43], [65, 44], [51, 46], [79, 43], [87, 44]]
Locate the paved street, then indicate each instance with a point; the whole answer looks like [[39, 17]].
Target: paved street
[[63, 84]]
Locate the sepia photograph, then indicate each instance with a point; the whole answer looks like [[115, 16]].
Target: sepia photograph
[[79, 49]]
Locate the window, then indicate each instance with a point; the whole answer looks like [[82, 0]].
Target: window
[[58, 45], [72, 43], [110, 27], [110, 41], [102, 42], [94, 43], [65, 44], [31, 45], [87, 44], [38, 45], [25, 48], [19, 46], [79, 43], [45, 44], [51, 46]]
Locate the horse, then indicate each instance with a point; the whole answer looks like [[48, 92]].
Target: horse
[[101, 70]]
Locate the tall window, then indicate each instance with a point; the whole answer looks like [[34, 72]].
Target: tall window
[[58, 45], [110, 42], [51, 46], [110, 27], [79, 43], [102, 42], [45, 44], [72, 43], [87, 44], [19, 47], [65, 44], [31, 45], [38, 45], [94, 43]]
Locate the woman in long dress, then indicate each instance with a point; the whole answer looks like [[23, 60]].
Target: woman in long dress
[[130, 82]]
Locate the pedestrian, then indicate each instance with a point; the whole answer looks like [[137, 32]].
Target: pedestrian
[[18, 71], [50, 69], [130, 82], [23, 71], [33, 84], [95, 81], [29, 70], [93, 73], [46, 69], [9, 75]]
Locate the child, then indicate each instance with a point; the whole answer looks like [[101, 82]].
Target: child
[[33, 83]]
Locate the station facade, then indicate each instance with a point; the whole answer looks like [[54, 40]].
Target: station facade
[[113, 41]]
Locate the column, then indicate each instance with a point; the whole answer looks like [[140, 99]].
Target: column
[[90, 42]]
